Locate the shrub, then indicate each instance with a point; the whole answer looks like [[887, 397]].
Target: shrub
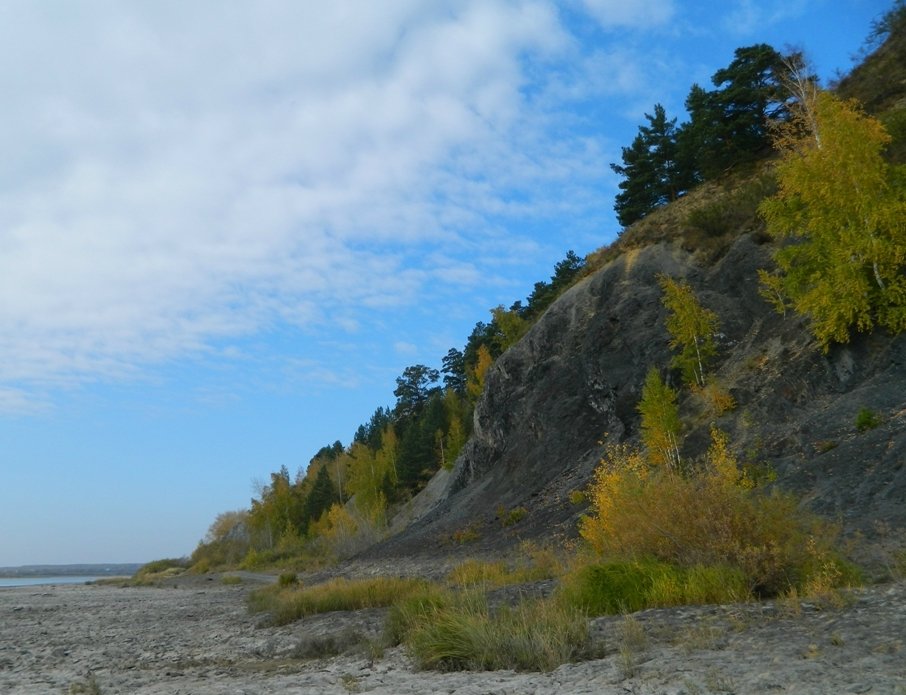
[[161, 566], [577, 497], [230, 580], [867, 419], [203, 566], [710, 517], [511, 517], [469, 534], [89, 686], [717, 401]]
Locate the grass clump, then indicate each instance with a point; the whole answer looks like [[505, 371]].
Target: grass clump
[[466, 635], [287, 604], [288, 579], [537, 564], [230, 580], [89, 686]]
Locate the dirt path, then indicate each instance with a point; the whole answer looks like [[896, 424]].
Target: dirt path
[[199, 639]]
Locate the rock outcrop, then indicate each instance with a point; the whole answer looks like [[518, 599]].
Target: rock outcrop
[[571, 385]]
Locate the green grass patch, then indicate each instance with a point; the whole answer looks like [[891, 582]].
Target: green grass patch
[[230, 580], [626, 587]]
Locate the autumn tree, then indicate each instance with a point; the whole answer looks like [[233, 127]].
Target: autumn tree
[[660, 421], [279, 510], [842, 210], [476, 376], [510, 327], [692, 329]]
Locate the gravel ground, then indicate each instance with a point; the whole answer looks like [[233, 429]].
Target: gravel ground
[[199, 638]]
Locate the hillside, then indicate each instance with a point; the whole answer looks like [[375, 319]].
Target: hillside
[[574, 381], [554, 400]]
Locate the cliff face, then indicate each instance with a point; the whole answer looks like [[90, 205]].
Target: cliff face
[[555, 399], [572, 384]]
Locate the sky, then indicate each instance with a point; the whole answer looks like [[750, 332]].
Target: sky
[[226, 228]]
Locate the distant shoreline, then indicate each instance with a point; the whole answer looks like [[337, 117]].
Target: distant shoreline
[[53, 580], [95, 570]]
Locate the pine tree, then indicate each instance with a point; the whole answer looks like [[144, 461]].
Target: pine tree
[[321, 497], [651, 169], [731, 124]]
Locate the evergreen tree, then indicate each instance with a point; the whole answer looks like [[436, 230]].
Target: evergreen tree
[[652, 175], [730, 125], [413, 389], [454, 371], [418, 454], [322, 496], [370, 433]]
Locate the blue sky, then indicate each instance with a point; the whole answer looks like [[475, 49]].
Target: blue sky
[[225, 228]]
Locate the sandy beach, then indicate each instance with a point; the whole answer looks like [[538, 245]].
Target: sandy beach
[[199, 638]]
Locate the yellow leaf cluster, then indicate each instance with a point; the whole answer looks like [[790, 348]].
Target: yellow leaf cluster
[[845, 212]]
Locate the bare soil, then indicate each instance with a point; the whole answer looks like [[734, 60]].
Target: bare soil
[[196, 636]]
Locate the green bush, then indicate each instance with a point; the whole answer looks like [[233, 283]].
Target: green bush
[[867, 419]]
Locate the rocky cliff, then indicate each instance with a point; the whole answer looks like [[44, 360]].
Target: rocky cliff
[[554, 400], [571, 385]]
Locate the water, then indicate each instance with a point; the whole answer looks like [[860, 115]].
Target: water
[[42, 581]]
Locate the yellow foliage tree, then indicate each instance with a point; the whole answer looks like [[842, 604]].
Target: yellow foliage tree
[[692, 328], [511, 326], [660, 421], [844, 210], [476, 376]]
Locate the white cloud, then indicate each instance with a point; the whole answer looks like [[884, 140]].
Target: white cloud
[[175, 174], [748, 17], [631, 13], [403, 348]]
